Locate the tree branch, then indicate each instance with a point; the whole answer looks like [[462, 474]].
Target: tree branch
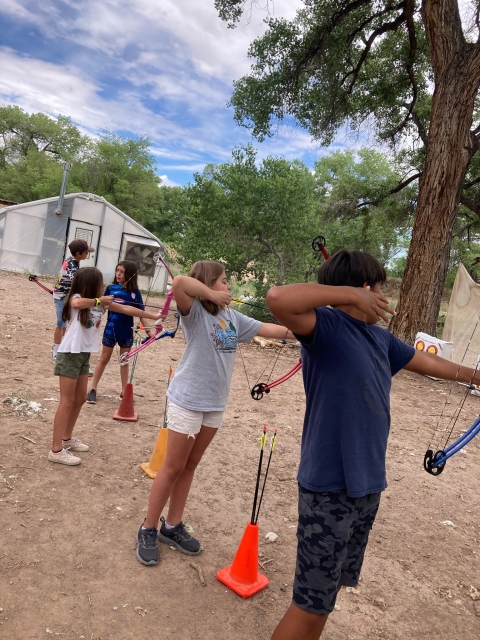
[[388, 26], [271, 249], [408, 15], [420, 128], [350, 38], [325, 30], [399, 187], [470, 204], [471, 184]]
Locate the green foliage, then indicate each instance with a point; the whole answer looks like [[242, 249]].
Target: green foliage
[[355, 205], [123, 171], [256, 218], [312, 69], [33, 177], [22, 133], [173, 216]]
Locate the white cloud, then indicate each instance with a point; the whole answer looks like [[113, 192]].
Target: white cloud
[[36, 85], [166, 182], [164, 70]]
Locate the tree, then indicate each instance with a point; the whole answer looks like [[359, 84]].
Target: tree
[[356, 207], [356, 62], [173, 217], [21, 133], [256, 219], [123, 171]]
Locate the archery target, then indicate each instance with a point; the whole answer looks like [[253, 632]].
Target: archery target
[[430, 344]]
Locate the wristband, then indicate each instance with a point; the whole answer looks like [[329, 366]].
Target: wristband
[[97, 302]]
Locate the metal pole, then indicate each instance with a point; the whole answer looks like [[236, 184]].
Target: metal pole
[[66, 168]]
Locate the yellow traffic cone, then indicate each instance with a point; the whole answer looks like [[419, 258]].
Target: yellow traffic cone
[[158, 456]]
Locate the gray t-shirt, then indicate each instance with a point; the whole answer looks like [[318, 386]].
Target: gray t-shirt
[[202, 380]]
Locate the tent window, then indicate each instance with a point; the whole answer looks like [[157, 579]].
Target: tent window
[[84, 234]]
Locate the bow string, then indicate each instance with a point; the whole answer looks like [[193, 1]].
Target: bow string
[[259, 389]]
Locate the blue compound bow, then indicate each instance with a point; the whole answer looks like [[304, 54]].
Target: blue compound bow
[[434, 462]]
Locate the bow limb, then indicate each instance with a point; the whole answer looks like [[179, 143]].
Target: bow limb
[[259, 389], [34, 278], [434, 463], [158, 258], [126, 357]]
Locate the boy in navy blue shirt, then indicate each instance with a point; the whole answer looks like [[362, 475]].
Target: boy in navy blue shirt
[[348, 363]]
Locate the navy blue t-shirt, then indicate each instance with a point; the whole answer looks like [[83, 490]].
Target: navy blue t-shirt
[[347, 372], [119, 326]]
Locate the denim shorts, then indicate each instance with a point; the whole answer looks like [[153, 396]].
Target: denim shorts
[[61, 324], [190, 422], [332, 536], [123, 344], [72, 365]]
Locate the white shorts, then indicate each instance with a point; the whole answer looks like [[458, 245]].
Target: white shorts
[[190, 422]]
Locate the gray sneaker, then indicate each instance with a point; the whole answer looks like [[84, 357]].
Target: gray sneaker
[[147, 550], [64, 457], [74, 444], [179, 538], [92, 397]]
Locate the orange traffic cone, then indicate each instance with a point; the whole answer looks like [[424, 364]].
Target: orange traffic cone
[[158, 456], [243, 576], [125, 411]]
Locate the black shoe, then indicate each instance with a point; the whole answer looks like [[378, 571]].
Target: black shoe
[[92, 397], [147, 550], [179, 538]]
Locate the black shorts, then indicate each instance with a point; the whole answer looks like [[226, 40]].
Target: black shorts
[[123, 344], [332, 535]]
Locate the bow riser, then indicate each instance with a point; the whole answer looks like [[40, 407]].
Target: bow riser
[[124, 359]]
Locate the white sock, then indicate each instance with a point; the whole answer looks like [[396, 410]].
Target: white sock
[[55, 349], [168, 526]]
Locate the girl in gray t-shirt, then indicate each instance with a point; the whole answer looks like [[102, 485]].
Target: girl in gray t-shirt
[[197, 397]]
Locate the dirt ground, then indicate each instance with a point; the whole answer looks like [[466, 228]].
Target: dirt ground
[[67, 560]]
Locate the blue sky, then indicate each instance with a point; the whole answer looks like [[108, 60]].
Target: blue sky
[[139, 67]]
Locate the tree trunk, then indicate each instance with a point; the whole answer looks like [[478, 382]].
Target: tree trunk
[[451, 146]]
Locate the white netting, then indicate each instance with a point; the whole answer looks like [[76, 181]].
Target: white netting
[[462, 326]]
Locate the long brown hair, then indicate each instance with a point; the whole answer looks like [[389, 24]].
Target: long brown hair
[[87, 282], [131, 275], [208, 272]]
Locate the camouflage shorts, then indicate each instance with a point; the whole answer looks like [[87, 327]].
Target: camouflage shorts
[[332, 535]]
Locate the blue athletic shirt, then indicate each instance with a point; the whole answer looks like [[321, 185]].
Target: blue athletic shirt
[[119, 326], [347, 372]]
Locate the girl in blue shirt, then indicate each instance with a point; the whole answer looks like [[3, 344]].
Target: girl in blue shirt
[[119, 327]]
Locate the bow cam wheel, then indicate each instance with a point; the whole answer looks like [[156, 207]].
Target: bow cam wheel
[[429, 462], [318, 243], [258, 390]]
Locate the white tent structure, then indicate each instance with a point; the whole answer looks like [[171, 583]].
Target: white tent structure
[[462, 326], [34, 238]]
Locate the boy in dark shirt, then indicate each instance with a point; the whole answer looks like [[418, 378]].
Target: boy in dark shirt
[[348, 363], [79, 250]]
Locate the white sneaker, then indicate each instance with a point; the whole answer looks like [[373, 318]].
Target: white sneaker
[[74, 444], [64, 457]]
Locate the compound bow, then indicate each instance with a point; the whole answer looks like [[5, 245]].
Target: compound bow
[[260, 388]]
